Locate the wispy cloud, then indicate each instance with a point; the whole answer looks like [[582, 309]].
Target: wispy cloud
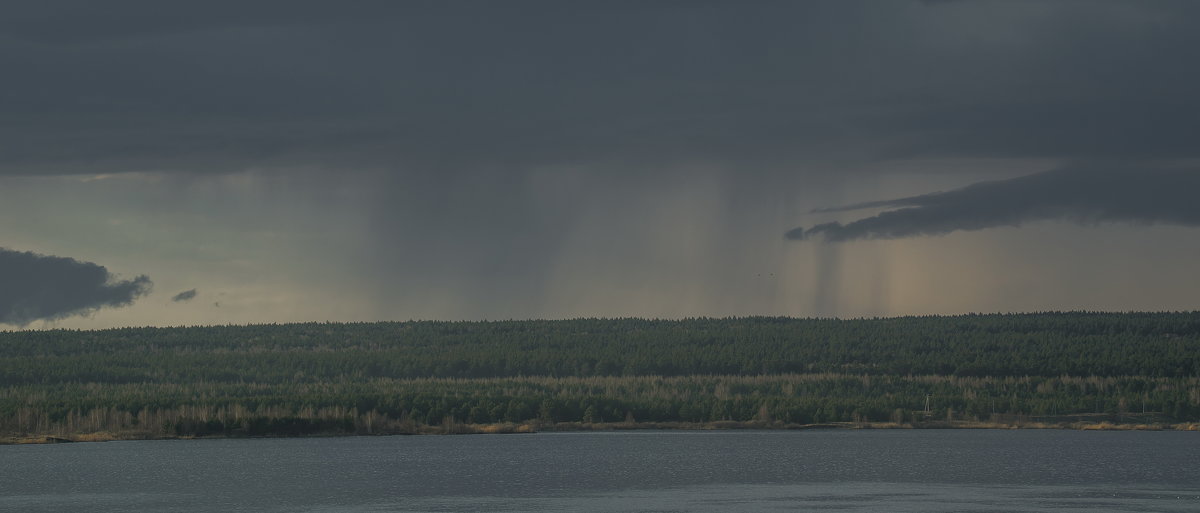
[[186, 295]]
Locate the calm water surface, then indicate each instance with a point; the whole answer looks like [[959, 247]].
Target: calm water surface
[[898, 470]]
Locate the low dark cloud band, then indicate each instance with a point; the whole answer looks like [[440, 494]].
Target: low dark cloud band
[[1082, 194]]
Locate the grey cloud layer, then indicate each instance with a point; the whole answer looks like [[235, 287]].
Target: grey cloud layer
[[1084, 195], [40, 287], [137, 85], [458, 159]]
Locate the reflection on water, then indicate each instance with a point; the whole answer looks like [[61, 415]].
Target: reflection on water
[[942, 470]]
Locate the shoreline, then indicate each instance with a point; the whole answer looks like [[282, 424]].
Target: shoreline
[[562, 427]]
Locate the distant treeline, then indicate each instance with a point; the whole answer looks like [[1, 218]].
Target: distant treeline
[[391, 376]]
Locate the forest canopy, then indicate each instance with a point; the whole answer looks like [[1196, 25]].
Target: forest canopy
[[329, 376]]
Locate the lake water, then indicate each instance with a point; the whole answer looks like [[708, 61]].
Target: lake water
[[867, 470]]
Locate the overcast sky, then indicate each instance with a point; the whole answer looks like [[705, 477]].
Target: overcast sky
[[217, 162]]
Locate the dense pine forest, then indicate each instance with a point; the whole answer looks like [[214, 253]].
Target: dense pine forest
[[398, 377]]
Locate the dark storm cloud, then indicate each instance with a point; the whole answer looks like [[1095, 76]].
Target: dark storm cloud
[[451, 86], [186, 295], [1085, 195], [41, 287]]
